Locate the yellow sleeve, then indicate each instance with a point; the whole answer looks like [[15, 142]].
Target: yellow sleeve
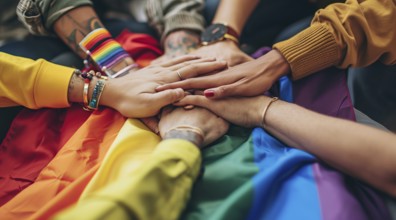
[[354, 33], [33, 84], [158, 189]]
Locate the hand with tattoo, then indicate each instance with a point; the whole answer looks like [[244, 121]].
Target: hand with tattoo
[[199, 126], [178, 43]]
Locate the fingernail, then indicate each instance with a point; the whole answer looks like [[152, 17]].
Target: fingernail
[[209, 93], [189, 107]]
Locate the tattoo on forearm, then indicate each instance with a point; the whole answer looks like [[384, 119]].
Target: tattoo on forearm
[[80, 30], [178, 45]]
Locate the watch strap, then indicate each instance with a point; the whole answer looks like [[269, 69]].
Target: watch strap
[[228, 34], [231, 34]]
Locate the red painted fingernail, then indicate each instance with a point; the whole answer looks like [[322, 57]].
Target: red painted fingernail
[[209, 93]]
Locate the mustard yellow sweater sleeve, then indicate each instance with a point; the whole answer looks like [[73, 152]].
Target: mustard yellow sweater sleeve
[[354, 33], [158, 189], [33, 84]]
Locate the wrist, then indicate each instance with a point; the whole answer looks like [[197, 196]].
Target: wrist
[[226, 43], [121, 65], [108, 98], [269, 102], [185, 134], [219, 32], [278, 64], [181, 42], [75, 88]]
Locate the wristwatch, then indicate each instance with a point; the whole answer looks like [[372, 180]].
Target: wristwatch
[[218, 32]]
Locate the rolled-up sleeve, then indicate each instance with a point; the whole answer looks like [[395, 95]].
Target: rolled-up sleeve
[[39, 16]]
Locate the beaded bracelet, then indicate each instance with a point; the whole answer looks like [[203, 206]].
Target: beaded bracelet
[[92, 104], [102, 50]]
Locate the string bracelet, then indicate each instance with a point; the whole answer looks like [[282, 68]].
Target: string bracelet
[[274, 99]]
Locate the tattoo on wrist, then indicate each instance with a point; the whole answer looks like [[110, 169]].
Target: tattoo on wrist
[[181, 43], [71, 96], [187, 135]]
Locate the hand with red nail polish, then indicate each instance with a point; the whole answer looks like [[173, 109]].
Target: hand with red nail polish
[[248, 79]]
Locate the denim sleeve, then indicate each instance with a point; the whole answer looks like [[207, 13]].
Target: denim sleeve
[[40, 15]]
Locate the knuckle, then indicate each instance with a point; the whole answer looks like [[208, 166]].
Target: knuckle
[[171, 95], [194, 68], [222, 90]]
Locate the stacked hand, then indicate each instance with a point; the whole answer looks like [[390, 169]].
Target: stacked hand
[[134, 94], [225, 50], [249, 112], [202, 126], [184, 42], [248, 79]]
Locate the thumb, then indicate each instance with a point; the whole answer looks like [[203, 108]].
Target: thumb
[[168, 96]]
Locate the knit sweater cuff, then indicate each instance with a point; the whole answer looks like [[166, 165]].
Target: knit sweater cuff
[[311, 50], [183, 21]]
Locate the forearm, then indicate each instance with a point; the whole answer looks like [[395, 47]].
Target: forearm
[[181, 42], [358, 150], [235, 13], [75, 25]]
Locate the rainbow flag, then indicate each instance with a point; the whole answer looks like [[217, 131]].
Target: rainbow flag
[[249, 174]]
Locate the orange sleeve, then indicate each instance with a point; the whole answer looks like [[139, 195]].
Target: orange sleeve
[[33, 84]]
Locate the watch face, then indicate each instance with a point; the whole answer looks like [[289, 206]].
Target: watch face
[[214, 33]]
